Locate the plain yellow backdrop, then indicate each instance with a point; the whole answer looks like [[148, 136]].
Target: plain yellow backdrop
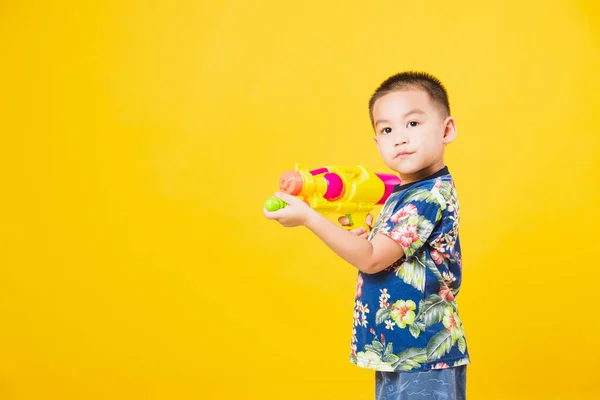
[[140, 140]]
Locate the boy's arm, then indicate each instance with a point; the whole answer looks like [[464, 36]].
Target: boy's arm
[[368, 256]]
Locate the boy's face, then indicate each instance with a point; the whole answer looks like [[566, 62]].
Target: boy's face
[[411, 133]]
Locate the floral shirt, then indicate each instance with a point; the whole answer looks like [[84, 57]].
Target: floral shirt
[[406, 316]]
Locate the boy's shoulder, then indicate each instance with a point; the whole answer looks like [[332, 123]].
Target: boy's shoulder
[[414, 211], [438, 189]]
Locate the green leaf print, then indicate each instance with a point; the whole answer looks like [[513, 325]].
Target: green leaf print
[[410, 358], [428, 263], [440, 344], [414, 330], [420, 195], [389, 349], [431, 310], [377, 344], [462, 361], [390, 358], [462, 345], [446, 191], [424, 227], [375, 347], [429, 196], [381, 315], [413, 274]]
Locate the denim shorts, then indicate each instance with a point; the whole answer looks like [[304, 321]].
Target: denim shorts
[[435, 384]]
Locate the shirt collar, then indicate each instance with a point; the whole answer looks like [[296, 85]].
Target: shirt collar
[[441, 172]]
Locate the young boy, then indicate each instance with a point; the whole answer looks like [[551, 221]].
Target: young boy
[[406, 324]]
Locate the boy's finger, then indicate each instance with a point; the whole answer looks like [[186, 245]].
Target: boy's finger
[[344, 220], [288, 198], [369, 220], [358, 231], [271, 214]]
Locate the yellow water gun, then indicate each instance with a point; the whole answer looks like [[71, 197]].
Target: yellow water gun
[[352, 191]]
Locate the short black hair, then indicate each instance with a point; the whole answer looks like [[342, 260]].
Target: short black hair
[[422, 80]]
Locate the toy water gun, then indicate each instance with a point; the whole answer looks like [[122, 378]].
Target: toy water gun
[[352, 191]]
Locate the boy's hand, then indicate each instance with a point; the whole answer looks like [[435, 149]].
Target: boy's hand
[[295, 213], [362, 232]]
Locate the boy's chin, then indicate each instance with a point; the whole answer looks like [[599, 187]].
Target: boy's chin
[[402, 167], [410, 174], [394, 167]]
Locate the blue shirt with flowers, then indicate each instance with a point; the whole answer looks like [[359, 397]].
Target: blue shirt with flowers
[[406, 316]]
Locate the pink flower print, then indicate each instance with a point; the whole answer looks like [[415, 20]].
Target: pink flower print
[[441, 365], [404, 212], [403, 312], [446, 293], [438, 257], [452, 323], [359, 284], [382, 339], [406, 235]]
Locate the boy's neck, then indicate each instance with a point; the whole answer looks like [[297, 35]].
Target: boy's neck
[[441, 172], [424, 173]]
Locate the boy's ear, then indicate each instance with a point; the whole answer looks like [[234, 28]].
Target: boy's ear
[[449, 130]]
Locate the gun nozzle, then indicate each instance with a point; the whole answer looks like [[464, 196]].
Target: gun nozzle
[[291, 182]]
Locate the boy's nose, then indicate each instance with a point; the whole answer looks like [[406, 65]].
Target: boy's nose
[[401, 139]]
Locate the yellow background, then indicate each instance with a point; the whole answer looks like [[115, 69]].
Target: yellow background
[[141, 138]]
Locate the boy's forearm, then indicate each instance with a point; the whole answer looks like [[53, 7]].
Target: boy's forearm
[[352, 248]]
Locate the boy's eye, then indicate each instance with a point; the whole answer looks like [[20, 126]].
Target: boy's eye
[[413, 123], [386, 130]]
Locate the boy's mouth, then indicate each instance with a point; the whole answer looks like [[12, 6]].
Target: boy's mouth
[[403, 154]]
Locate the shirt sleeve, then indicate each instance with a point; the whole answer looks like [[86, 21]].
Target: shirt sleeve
[[412, 219]]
